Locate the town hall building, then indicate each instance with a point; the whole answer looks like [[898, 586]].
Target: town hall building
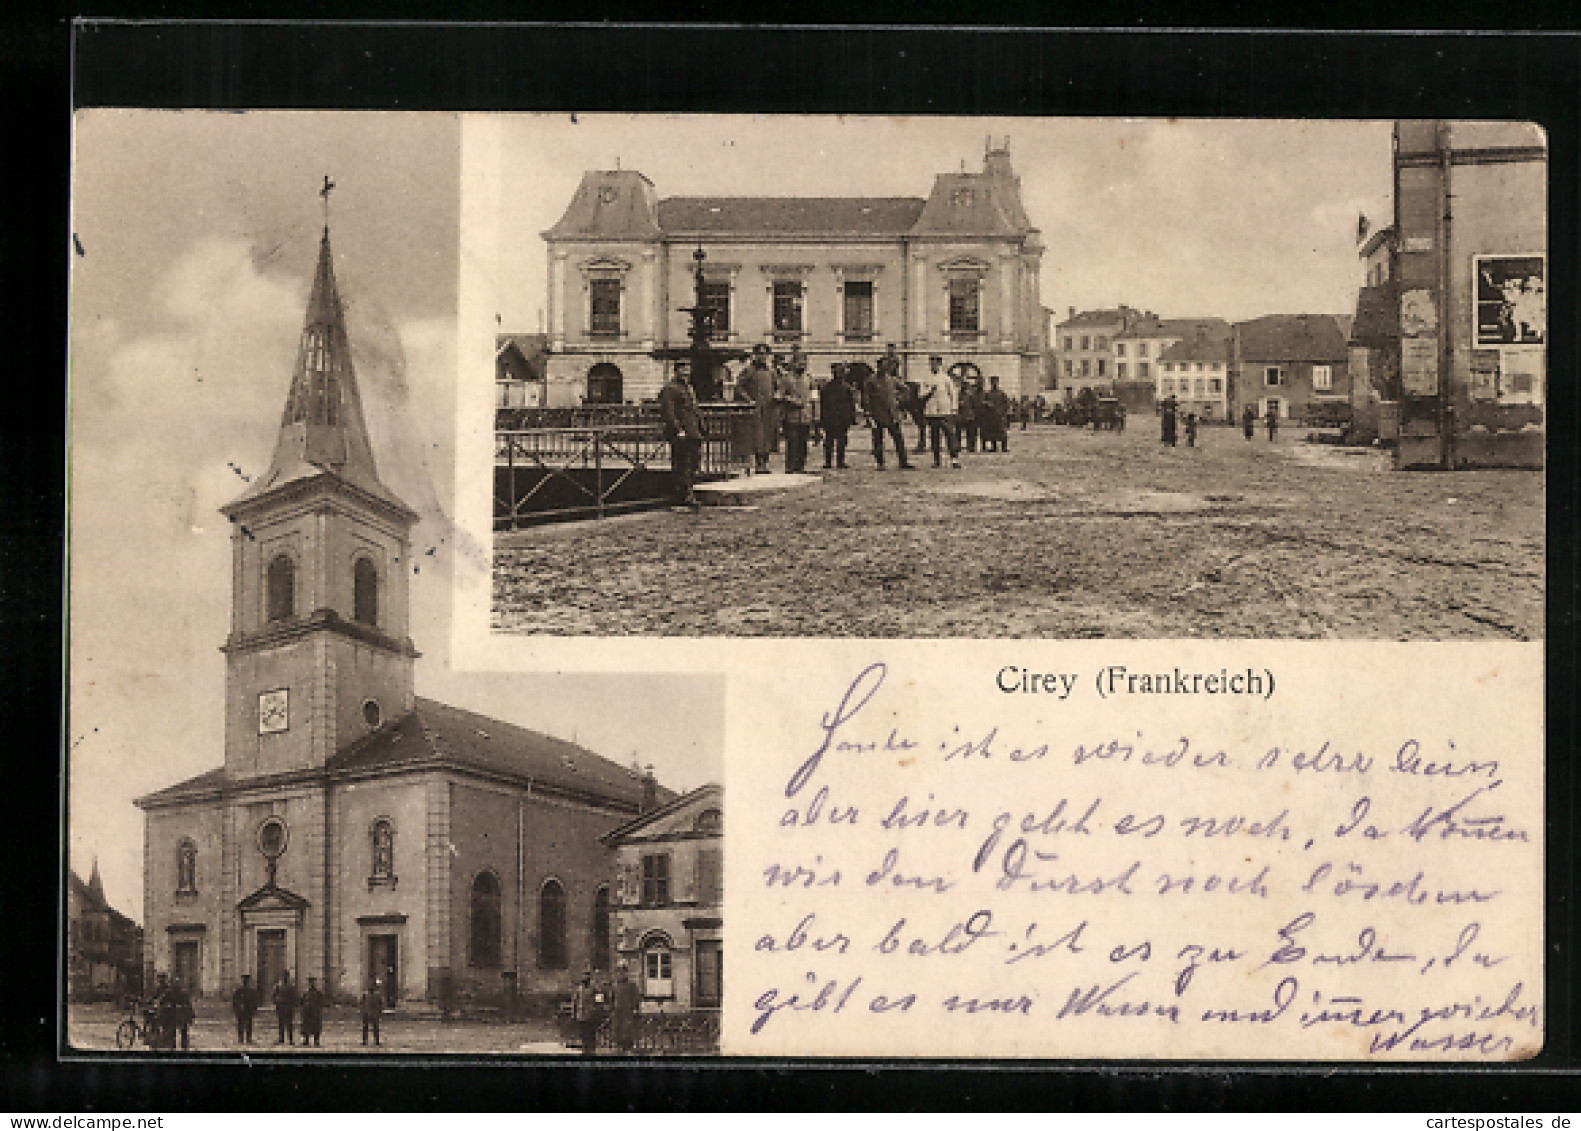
[[356, 833], [956, 274]]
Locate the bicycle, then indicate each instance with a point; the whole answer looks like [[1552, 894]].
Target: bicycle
[[142, 1024]]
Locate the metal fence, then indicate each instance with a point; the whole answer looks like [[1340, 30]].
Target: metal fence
[[586, 462]]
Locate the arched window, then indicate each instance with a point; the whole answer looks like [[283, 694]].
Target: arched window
[[282, 588], [486, 920], [551, 926], [365, 592], [382, 838], [658, 975], [187, 866], [600, 948]]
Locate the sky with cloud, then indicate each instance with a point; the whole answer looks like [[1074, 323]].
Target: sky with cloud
[[198, 234]]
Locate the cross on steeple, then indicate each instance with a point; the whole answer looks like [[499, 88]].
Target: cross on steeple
[[329, 187]]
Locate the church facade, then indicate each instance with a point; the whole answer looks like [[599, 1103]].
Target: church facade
[[956, 273], [356, 833]]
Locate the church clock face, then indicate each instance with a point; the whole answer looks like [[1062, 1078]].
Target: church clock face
[[274, 711]]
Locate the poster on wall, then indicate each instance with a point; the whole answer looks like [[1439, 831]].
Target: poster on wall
[[1511, 300], [1419, 366]]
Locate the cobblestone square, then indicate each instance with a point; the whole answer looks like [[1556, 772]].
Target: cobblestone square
[[1070, 534]]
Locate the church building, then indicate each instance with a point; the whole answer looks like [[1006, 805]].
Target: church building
[[357, 833]]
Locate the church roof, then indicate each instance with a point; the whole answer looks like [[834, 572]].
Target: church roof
[[438, 733], [322, 432]]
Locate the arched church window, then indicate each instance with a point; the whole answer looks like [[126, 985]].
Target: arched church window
[[551, 926], [282, 588], [486, 920], [187, 866], [365, 592], [600, 948], [382, 837]]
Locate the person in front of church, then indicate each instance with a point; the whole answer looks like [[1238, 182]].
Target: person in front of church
[[371, 1008], [941, 403], [839, 413], [755, 386], [792, 397], [179, 1003], [623, 1022], [312, 1014], [995, 411], [244, 1004], [587, 1012], [970, 412], [881, 402], [285, 1011], [158, 1014], [683, 428]]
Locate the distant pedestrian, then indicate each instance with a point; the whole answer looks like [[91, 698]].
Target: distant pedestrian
[[970, 412], [755, 386], [1191, 429], [683, 428], [792, 397], [285, 1011], [1271, 418], [941, 404], [623, 1020], [312, 1014], [1249, 422], [244, 1003], [995, 417], [179, 1005], [838, 405], [1168, 420], [587, 1012], [881, 402], [371, 1007]]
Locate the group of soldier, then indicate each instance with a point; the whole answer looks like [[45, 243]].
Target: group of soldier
[[308, 1005], [1170, 421], [590, 1007], [948, 409]]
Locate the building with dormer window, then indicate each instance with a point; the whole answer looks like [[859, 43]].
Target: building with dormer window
[[956, 274], [355, 832]]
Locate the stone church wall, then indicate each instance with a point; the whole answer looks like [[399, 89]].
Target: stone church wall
[[370, 905]]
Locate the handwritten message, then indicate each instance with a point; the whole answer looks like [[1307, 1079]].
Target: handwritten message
[[1052, 859]]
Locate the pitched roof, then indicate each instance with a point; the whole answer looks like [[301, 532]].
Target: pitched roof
[[790, 215], [709, 791], [1291, 337], [436, 733], [609, 204], [204, 783], [1199, 347], [533, 349], [92, 896], [1377, 320], [1100, 317], [974, 204]]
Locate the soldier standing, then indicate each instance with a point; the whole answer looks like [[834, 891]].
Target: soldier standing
[[683, 428], [624, 1021], [180, 1007], [839, 413], [1169, 421], [372, 1008], [995, 417], [585, 1012], [244, 1003], [285, 1011], [1249, 422], [792, 396], [756, 387], [941, 403], [1272, 420], [880, 399], [312, 1014]]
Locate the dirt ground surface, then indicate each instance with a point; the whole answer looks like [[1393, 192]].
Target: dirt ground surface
[[1069, 534]]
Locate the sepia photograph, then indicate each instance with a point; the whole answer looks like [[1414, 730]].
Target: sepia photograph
[[294, 828], [822, 377]]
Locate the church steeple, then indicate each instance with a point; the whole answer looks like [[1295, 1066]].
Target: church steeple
[[322, 428]]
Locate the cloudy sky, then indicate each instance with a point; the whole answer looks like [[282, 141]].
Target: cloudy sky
[[198, 237], [1186, 218]]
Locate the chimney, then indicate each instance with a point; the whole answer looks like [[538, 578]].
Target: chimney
[[1073, 312], [650, 790]]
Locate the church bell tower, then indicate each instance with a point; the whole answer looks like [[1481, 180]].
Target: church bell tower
[[318, 653]]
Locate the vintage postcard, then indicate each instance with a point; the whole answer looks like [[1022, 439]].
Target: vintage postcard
[[1032, 524]]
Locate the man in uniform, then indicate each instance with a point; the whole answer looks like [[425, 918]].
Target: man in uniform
[[1249, 422], [285, 1011], [756, 387], [312, 1014], [371, 1007], [838, 404], [1271, 418], [586, 1011], [995, 417], [244, 1003], [683, 428], [792, 398], [940, 404], [881, 401], [1168, 420], [623, 1024], [179, 1004]]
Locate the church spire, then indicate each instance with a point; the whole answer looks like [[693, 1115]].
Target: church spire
[[322, 428], [96, 885]]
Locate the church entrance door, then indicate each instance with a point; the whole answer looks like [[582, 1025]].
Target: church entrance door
[[384, 964], [271, 961], [184, 965]]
